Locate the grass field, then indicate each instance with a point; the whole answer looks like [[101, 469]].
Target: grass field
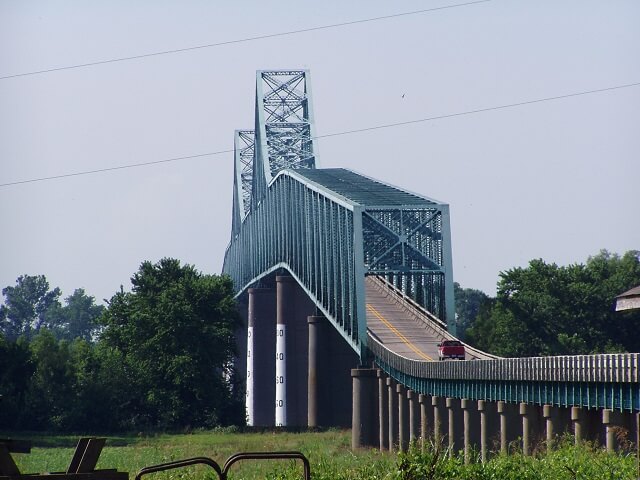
[[328, 452], [330, 457]]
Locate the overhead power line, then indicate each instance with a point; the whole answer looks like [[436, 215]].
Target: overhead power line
[[336, 134], [241, 40], [479, 110], [110, 169]]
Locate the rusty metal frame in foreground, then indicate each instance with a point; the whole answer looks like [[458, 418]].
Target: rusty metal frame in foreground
[[224, 470]]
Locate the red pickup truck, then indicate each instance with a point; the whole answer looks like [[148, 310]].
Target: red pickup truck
[[450, 349]]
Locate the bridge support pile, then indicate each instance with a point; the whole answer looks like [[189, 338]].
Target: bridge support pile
[[468, 425]]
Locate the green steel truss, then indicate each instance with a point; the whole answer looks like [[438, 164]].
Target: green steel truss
[[328, 227], [329, 242], [244, 148], [284, 127]]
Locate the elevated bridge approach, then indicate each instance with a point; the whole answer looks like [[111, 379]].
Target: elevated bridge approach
[[346, 285]]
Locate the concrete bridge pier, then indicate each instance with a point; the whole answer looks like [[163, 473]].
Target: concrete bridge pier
[[620, 429], [329, 383], [414, 416], [456, 427], [530, 426], [557, 421], [364, 412], [426, 418], [383, 411], [489, 427], [471, 427], [392, 413], [403, 418], [579, 424], [261, 394], [510, 424], [440, 420], [316, 376], [586, 424]]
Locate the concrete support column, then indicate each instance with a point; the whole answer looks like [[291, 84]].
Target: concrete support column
[[392, 413], [470, 426], [608, 417], [484, 408], [250, 386], [403, 418], [426, 417], [456, 433], [550, 414], [414, 415], [363, 423], [317, 333], [618, 423], [509, 428], [529, 415], [637, 438], [260, 395], [383, 412], [524, 412], [285, 301], [578, 421], [439, 419]]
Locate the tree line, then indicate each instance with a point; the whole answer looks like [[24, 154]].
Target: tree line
[[158, 357], [546, 309]]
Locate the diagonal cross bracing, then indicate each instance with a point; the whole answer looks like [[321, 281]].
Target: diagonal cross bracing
[[284, 126], [244, 149]]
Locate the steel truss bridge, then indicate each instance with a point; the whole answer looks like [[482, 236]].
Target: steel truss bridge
[[376, 262]]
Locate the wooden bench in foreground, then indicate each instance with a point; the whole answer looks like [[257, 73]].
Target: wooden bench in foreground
[[82, 466]]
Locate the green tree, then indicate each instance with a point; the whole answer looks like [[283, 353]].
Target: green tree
[[26, 306], [49, 399], [16, 369], [77, 318], [174, 334], [545, 309], [468, 304]]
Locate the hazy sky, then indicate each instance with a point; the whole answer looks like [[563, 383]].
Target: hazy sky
[[557, 180]]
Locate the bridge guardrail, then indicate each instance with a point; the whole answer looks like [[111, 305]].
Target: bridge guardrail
[[618, 367]]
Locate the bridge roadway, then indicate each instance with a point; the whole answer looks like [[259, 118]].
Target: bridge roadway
[[402, 326]]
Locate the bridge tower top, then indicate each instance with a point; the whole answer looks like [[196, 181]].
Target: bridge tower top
[[284, 128], [283, 137]]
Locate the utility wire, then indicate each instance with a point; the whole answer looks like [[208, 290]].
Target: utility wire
[[336, 134], [479, 110], [109, 169], [242, 40]]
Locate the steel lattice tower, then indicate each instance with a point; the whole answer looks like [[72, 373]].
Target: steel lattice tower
[[284, 125]]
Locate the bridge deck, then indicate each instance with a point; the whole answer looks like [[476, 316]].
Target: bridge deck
[[400, 329]]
